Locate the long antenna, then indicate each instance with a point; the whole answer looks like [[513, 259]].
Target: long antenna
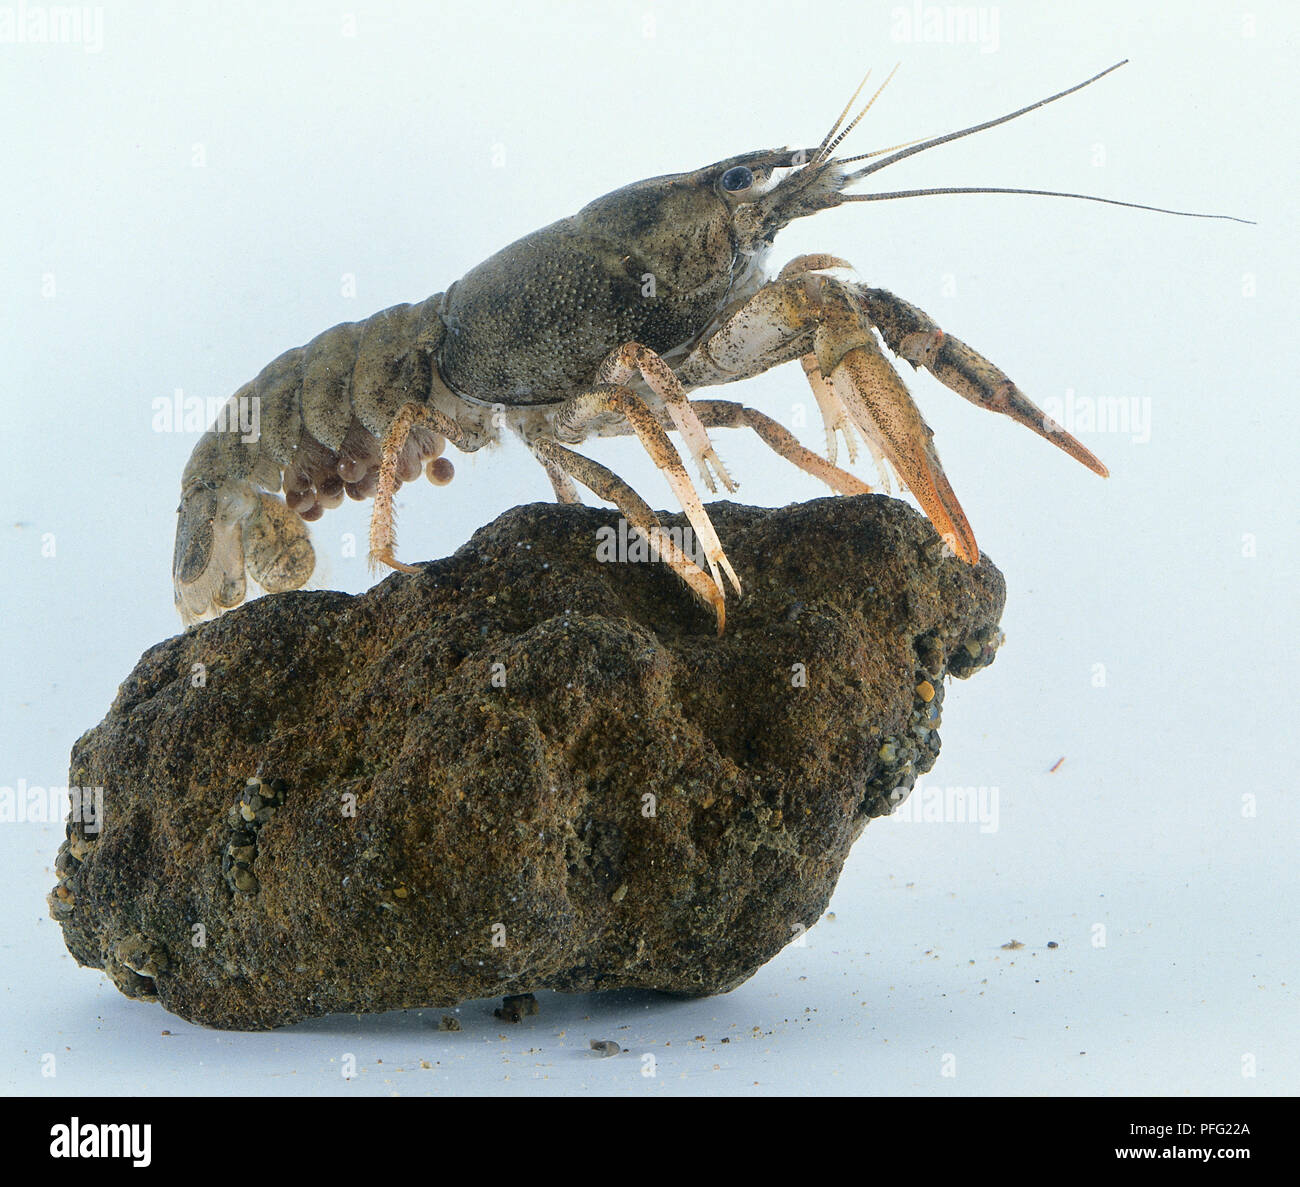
[[1039, 193], [908, 152]]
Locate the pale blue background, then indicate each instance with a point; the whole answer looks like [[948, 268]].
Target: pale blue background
[[373, 155]]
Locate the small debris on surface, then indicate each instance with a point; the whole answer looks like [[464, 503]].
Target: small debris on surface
[[516, 1007], [605, 1047]]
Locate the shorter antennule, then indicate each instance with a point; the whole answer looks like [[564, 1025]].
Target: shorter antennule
[[820, 154], [879, 152], [827, 149]]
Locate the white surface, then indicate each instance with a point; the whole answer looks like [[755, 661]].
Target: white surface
[[373, 154]]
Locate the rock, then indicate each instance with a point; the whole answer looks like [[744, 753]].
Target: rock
[[519, 770]]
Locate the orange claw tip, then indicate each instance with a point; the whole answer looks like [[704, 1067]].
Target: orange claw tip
[[1073, 446], [964, 550], [1082, 454], [933, 492]]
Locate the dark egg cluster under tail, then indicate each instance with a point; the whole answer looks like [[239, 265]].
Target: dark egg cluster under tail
[[234, 528], [319, 408]]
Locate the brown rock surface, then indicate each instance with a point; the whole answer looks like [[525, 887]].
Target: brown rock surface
[[519, 770]]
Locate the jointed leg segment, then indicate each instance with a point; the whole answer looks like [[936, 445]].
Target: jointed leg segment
[[911, 334], [820, 321], [607, 485], [596, 402], [563, 465], [632, 359], [831, 327], [394, 464], [727, 414]]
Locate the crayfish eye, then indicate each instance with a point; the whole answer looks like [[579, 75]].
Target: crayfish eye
[[737, 178]]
